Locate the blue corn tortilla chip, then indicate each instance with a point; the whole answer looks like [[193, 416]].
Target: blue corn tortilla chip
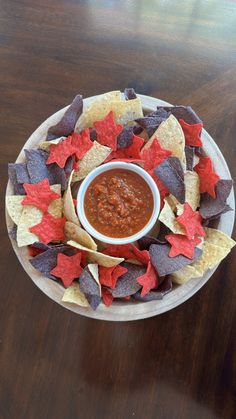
[[17, 187], [46, 261], [69, 166], [67, 124], [183, 112], [189, 153], [199, 152], [39, 170], [93, 134], [129, 93], [165, 265], [146, 241], [125, 138], [137, 130], [90, 288], [12, 233], [22, 175], [171, 173], [93, 300], [157, 294], [211, 208], [152, 121], [126, 284]]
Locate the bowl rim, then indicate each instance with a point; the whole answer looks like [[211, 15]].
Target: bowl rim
[[102, 169], [121, 311]]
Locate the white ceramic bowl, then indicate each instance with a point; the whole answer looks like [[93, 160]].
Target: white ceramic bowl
[[104, 168], [124, 311]]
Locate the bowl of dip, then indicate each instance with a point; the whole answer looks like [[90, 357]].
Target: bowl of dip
[[118, 203]]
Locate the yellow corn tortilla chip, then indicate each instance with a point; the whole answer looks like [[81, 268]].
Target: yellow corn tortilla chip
[[68, 204], [192, 191], [185, 274], [103, 100], [124, 111], [96, 257], [79, 235], [216, 247], [168, 218], [74, 295], [170, 136], [219, 238], [31, 216], [14, 207], [45, 145], [93, 268], [93, 158]]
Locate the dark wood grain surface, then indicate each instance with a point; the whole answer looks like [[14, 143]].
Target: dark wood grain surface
[[53, 363]]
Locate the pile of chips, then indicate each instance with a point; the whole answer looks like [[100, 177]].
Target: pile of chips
[[167, 144]]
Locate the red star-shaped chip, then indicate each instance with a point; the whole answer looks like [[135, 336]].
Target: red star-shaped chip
[[181, 245], [148, 280], [107, 297], [109, 276], [81, 143], [128, 251], [130, 153], [60, 152], [68, 268], [154, 155], [39, 194], [191, 221], [192, 133], [208, 178], [107, 131], [49, 229]]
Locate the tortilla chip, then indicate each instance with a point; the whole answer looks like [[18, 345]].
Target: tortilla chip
[[17, 187], [215, 248], [93, 269], [39, 170], [97, 257], [124, 111], [171, 137], [68, 204], [45, 145], [14, 207], [164, 264], [74, 295], [93, 158], [90, 287], [90, 109], [214, 207], [171, 174], [219, 238], [67, 123], [192, 191], [79, 235], [31, 216], [185, 274], [168, 218], [158, 294], [127, 283]]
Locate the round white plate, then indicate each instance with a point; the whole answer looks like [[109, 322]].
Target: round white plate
[[124, 311]]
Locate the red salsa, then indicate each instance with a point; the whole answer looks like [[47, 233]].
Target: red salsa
[[118, 203]]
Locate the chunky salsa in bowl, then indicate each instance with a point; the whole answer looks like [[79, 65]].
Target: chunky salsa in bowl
[[118, 203]]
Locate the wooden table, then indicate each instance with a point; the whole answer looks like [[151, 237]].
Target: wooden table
[[53, 363]]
